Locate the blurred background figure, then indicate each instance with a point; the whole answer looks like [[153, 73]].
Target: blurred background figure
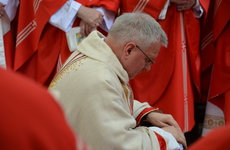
[[215, 63], [215, 140], [31, 118]]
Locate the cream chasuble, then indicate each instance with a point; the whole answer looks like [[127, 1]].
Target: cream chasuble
[[95, 95]]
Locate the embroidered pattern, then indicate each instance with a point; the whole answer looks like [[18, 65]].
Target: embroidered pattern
[[36, 5], [26, 31], [212, 121], [128, 95], [207, 40], [140, 5], [185, 71], [30, 27], [73, 64]]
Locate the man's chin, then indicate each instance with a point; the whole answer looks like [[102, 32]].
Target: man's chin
[[132, 77]]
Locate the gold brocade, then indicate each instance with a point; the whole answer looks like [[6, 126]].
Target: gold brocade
[[71, 65], [128, 95]]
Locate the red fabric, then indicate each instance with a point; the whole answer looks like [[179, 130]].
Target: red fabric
[[216, 74], [217, 139], [163, 85], [30, 118], [221, 17], [220, 84], [38, 54], [161, 141], [36, 50], [227, 106], [110, 5], [27, 47], [221, 70], [9, 45], [107, 4], [152, 8], [207, 46], [143, 113]]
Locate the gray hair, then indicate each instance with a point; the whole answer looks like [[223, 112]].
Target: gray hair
[[138, 27]]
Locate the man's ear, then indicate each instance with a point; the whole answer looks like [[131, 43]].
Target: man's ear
[[129, 48]]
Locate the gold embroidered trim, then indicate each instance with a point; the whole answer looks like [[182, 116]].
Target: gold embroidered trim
[[71, 65], [128, 96], [212, 121]]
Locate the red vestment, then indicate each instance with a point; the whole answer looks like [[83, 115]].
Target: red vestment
[[174, 78], [215, 140], [9, 46], [215, 57], [30, 117], [39, 44]]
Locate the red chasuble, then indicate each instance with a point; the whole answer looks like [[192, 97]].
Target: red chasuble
[[37, 42], [174, 78], [40, 44], [215, 57], [220, 82]]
